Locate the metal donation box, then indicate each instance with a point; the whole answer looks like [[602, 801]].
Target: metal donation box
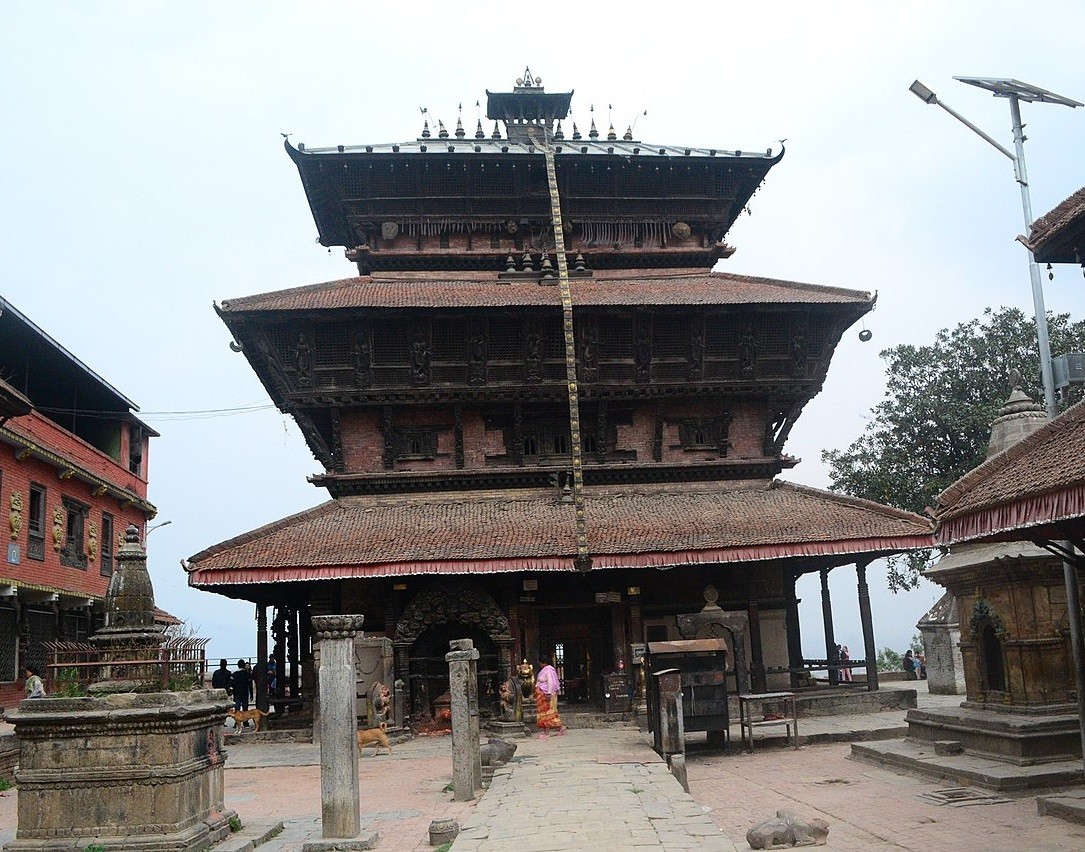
[[702, 664]]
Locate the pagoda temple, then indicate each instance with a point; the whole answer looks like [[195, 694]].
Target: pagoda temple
[[545, 422]]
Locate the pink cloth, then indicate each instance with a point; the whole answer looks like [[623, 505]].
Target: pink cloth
[[547, 680]]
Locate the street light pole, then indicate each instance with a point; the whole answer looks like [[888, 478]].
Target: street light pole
[[1016, 91]]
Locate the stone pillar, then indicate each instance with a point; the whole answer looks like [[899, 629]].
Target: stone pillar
[[830, 639], [463, 686], [299, 641], [340, 806], [400, 703], [794, 636], [260, 669], [868, 627]]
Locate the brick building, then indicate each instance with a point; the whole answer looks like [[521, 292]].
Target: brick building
[[541, 452], [73, 476]]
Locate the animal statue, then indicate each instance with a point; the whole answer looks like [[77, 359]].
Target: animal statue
[[506, 699], [381, 698], [785, 831], [526, 674]]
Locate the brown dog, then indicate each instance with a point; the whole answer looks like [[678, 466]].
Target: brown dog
[[240, 717], [375, 737]]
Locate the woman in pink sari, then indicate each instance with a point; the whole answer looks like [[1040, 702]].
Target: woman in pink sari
[[547, 686]]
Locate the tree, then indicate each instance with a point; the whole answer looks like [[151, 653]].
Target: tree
[[935, 421]]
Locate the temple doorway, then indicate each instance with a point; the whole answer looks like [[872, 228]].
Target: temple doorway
[[579, 644], [993, 670], [428, 676]]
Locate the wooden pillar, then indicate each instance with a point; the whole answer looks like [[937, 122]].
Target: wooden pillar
[[830, 639], [619, 636], [278, 635], [868, 627], [794, 637], [292, 641], [260, 669], [757, 672]]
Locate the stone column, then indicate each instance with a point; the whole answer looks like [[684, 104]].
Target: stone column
[[868, 627], [827, 617], [340, 806], [463, 686]]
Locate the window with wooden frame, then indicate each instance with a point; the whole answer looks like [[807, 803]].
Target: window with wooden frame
[[546, 440], [702, 433], [416, 442], [74, 554], [35, 527], [106, 563]]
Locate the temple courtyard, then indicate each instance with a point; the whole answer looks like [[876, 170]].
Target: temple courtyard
[[606, 789]]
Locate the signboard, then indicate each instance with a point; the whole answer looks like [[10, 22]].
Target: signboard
[[13, 553], [638, 649], [608, 597]]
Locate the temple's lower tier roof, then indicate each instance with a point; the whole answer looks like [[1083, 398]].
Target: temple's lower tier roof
[[628, 527], [445, 290]]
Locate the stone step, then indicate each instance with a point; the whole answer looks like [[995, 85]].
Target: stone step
[[965, 768], [1069, 806]]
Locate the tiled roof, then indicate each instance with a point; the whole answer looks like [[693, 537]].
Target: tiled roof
[[1062, 222], [628, 526], [1037, 481], [606, 287]]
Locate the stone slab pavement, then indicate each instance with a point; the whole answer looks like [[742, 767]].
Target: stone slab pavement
[[606, 789]]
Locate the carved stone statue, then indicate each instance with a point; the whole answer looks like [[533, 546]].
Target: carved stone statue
[[533, 356], [506, 700], [785, 831], [15, 519], [747, 351], [363, 358], [476, 359], [420, 359], [92, 541], [381, 698], [58, 528], [526, 673]]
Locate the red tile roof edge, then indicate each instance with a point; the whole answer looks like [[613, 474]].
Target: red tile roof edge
[[661, 560], [858, 502], [1025, 513], [241, 304], [943, 510], [260, 532]]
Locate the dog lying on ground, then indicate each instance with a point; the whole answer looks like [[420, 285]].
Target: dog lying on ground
[[375, 737], [240, 717]]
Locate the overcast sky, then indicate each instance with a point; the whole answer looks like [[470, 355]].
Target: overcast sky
[[144, 178]]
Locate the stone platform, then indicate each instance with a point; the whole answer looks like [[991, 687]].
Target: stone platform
[[1018, 738], [964, 769]]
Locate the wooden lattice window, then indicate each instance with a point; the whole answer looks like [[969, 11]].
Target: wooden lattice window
[[702, 433], [390, 343], [106, 563], [416, 443], [354, 182], [724, 183], [671, 337], [332, 347], [615, 338], [448, 338], [721, 337], [382, 181], [73, 554], [35, 527], [9, 645], [506, 340], [492, 179], [546, 440]]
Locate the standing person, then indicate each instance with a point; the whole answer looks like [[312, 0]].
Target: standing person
[[547, 686], [272, 675], [241, 682], [34, 687], [845, 657], [221, 678]]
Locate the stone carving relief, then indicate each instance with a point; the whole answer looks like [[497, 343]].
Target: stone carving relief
[[363, 357], [92, 540], [444, 604], [15, 519], [642, 351], [58, 528], [696, 352], [747, 351], [476, 359], [589, 350], [533, 355], [785, 831], [420, 358]]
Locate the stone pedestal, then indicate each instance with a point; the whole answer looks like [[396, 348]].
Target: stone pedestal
[[941, 632], [463, 687], [124, 772], [340, 805]]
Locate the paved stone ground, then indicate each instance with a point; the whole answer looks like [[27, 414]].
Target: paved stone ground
[[606, 789]]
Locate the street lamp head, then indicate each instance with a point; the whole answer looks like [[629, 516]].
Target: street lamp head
[[923, 93]]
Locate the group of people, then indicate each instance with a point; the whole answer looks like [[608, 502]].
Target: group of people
[[914, 665], [241, 684]]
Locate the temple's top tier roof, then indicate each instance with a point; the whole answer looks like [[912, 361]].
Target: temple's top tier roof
[[460, 200]]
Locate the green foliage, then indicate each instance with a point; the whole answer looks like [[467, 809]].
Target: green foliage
[[235, 824], [934, 423], [94, 847], [68, 684], [5, 785], [889, 660], [917, 644]]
